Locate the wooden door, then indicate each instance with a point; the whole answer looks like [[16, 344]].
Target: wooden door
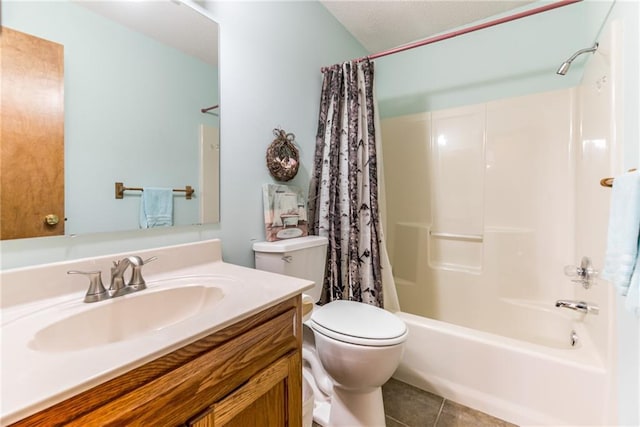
[[31, 135]]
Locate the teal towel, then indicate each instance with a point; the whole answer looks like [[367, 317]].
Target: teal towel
[[622, 266], [156, 207]]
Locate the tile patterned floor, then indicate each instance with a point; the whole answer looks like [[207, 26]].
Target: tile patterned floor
[[408, 406]]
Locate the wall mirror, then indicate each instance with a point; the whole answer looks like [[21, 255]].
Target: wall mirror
[[137, 75]]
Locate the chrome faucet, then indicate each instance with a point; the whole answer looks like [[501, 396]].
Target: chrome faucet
[[97, 292], [118, 287], [581, 306]]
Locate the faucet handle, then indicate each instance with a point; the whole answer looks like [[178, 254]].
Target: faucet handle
[[96, 291], [148, 260], [137, 281], [584, 274]]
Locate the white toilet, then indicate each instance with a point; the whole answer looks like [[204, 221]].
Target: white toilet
[[349, 349]]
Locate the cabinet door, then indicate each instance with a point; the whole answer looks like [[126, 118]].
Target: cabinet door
[[270, 398]]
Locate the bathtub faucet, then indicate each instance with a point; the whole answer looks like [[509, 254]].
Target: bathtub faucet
[[581, 306]]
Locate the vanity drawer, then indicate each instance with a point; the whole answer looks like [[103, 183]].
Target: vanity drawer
[[233, 357]]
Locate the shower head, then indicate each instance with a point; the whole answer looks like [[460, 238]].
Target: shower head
[[566, 64], [564, 68]]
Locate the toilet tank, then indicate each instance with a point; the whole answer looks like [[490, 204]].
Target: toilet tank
[[302, 257]]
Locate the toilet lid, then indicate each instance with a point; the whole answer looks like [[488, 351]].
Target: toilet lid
[[358, 323]]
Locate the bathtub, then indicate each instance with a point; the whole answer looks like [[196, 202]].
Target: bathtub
[[529, 370]]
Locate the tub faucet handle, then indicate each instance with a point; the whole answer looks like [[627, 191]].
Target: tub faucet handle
[[584, 274]]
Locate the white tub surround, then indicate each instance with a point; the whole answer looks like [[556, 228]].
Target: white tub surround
[[37, 373], [504, 196]]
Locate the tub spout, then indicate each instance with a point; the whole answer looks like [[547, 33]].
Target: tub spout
[[581, 306]]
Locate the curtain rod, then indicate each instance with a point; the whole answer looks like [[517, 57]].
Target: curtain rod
[[457, 33]]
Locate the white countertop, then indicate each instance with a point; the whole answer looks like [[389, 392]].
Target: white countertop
[[34, 297]]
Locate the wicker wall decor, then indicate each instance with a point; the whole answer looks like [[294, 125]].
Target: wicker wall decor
[[283, 156]]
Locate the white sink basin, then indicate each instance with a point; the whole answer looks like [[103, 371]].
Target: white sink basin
[[124, 318]]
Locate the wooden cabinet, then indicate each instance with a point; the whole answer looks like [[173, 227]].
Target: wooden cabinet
[[248, 374], [262, 401]]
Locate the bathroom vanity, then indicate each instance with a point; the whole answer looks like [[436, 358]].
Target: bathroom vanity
[[213, 344]]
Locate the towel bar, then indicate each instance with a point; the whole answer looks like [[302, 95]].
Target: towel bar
[[608, 182], [120, 189]]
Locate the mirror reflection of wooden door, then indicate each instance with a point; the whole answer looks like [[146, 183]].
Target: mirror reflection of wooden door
[[31, 136]]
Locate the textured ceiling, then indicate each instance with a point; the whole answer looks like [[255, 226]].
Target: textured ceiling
[[383, 24], [377, 24]]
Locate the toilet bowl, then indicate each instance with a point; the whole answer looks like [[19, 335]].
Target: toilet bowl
[[349, 349], [359, 346]]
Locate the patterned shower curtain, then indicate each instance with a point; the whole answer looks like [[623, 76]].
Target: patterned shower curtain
[[343, 193]]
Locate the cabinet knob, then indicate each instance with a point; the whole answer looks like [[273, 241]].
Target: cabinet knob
[[51, 219]]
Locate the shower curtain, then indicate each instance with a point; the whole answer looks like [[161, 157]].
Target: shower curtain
[[343, 193]]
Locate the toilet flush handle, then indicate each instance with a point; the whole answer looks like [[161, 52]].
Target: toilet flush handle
[[287, 258]]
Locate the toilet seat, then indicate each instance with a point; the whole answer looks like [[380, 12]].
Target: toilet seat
[[357, 323]]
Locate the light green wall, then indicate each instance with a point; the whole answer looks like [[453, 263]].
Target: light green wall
[[270, 59], [132, 112], [515, 58], [270, 55]]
